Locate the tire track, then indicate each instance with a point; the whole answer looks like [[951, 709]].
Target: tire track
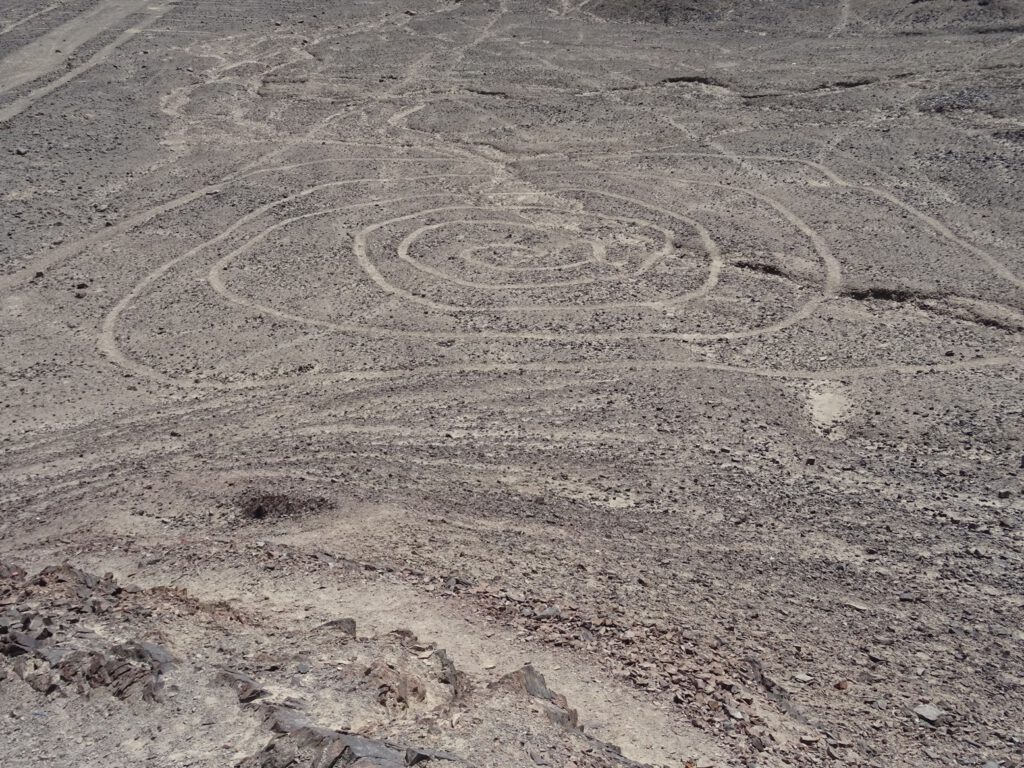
[[22, 67], [121, 457], [13, 25]]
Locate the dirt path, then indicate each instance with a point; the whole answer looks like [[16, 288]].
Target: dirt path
[[49, 53]]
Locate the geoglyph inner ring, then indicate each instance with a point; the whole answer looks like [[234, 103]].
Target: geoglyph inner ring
[[515, 257], [532, 255]]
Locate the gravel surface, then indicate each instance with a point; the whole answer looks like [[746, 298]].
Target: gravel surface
[[512, 383]]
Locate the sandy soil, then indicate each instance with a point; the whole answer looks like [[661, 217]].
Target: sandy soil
[[642, 378]]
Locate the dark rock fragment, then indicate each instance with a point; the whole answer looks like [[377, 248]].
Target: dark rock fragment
[[931, 714], [415, 755], [247, 688], [347, 626], [533, 683]]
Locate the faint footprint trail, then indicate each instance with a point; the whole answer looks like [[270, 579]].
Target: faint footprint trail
[[844, 18], [10, 26], [47, 54]]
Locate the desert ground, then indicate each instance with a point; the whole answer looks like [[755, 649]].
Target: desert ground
[[511, 383]]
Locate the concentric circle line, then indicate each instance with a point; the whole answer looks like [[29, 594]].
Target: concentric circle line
[[652, 260], [107, 340], [403, 253], [833, 268], [994, 264], [53, 256], [216, 281], [56, 255], [361, 250], [109, 346]]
